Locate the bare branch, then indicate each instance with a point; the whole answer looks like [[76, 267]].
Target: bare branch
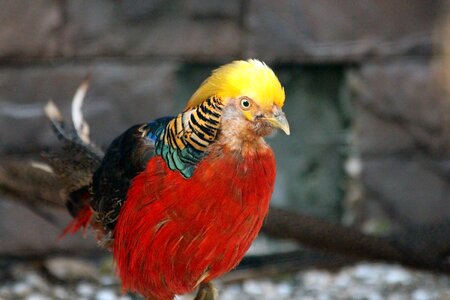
[[424, 247]]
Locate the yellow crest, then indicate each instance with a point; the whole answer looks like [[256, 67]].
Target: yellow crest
[[251, 78]]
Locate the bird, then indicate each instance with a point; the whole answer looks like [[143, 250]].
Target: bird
[[178, 200]]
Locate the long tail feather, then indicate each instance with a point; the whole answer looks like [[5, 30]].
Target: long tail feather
[[78, 159], [81, 126], [66, 174], [80, 221]]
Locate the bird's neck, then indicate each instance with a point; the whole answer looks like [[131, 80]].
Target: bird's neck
[[237, 136]]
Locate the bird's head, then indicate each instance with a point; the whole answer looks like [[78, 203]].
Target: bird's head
[[252, 95]]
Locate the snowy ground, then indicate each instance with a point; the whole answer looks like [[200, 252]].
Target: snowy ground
[[69, 278]]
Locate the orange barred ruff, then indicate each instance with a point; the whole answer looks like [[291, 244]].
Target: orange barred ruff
[[174, 233]]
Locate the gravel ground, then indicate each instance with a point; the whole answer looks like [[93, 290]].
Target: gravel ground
[[74, 278]]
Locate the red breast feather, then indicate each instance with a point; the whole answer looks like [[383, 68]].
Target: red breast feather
[[174, 233]]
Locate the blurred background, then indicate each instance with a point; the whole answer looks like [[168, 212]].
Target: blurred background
[[367, 86]]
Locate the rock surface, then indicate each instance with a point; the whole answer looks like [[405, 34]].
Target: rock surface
[[120, 95], [327, 30], [25, 233], [401, 133], [136, 50], [362, 281]]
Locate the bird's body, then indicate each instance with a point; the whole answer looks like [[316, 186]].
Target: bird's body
[[204, 226], [180, 199]]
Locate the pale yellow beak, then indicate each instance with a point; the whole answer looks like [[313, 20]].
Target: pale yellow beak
[[279, 121]]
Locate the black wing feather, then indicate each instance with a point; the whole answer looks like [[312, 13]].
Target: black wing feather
[[125, 158]]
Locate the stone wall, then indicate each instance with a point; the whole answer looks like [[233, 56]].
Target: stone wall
[[370, 65], [401, 129]]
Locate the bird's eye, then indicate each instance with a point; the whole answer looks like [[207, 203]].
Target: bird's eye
[[245, 103]]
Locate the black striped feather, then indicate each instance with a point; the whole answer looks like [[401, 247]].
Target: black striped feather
[[186, 137]]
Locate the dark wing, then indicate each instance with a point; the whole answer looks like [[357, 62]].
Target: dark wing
[[125, 158]]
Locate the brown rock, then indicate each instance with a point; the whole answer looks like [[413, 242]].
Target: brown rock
[[401, 106], [401, 131], [327, 30], [375, 136], [135, 10], [215, 9], [121, 95], [23, 232], [71, 269], [48, 29], [103, 28], [29, 28], [411, 191]]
